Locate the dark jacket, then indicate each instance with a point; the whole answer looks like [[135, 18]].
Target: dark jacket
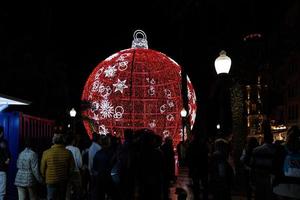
[[4, 155]]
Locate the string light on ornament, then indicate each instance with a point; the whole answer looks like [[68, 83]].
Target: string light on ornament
[[152, 124], [151, 90], [124, 93], [166, 133]]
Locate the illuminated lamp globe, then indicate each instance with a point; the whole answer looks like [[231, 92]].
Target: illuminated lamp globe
[[183, 113], [222, 63], [73, 112]]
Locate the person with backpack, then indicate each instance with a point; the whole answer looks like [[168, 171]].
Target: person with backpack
[[287, 180]]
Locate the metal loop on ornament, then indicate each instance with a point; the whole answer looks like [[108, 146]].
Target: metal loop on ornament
[[139, 42]]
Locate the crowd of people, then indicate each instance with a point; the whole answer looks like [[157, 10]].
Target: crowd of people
[[142, 167], [271, 171]]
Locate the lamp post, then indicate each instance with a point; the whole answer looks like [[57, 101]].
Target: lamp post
[[73, 115], [183, 114], [222, 93]]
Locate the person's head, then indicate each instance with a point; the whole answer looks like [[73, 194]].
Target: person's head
[[95, 137], [266, 128], [105, 141], [28, 143], [1, 132], [69, 139], [169, 141], [3, 145], [58, 139], [293, 139], [128, 134], [252, 143], [222, 146]]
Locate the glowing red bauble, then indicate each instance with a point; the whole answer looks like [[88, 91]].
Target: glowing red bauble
[[133, 89]]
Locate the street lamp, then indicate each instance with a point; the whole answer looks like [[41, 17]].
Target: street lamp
[[183, 114], [222, 63], [73, 115], [222, 93]]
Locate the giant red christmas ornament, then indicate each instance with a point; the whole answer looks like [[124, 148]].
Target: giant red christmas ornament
[[137, 88]]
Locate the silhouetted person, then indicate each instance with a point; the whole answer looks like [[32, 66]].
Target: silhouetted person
[[102, 168], [197, 161], [93, 149], [85, 174], [150, 168], [4, 161], [57, 166], [246, 160], [181, 153], [262, 165], [74, 185], [287, 173], [169, 165], [125, 166], [28, 174], [221, 171]]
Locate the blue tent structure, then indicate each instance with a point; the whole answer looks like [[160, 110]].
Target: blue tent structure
[[17, 126]]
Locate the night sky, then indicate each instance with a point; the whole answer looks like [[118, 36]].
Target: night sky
[[48, 48]]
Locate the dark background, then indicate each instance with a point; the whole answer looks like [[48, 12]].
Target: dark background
[[49, 48]]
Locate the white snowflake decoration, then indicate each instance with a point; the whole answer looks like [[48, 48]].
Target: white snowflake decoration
[[120, 85], [110, 71], [106, 109], [103, 130]]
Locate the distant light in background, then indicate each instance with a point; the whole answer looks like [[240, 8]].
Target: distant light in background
[[73, 112]]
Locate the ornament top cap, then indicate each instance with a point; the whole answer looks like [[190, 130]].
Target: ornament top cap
[[139, 42]]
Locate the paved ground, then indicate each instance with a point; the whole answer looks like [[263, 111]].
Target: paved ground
[[183, 181]]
